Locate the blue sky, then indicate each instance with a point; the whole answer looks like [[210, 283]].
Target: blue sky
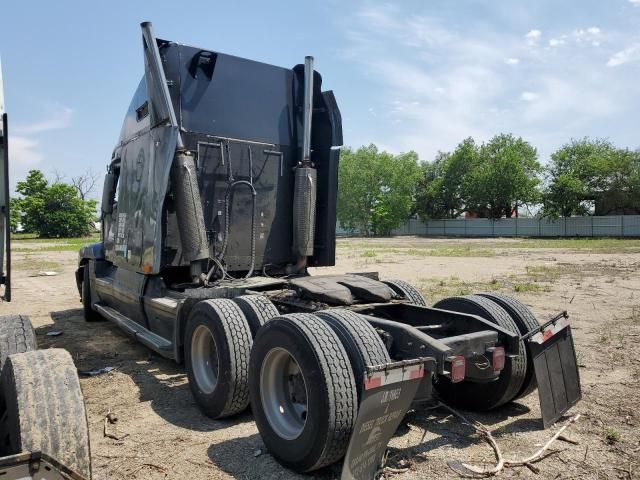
[[411, 75]]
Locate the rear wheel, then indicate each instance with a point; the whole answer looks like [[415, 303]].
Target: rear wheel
[[484, 396], [361, 341], [16, 336], [217, 347], [42, 409], [526, 321], [90, 315], [257, 309], [406, 291], [303, 393]]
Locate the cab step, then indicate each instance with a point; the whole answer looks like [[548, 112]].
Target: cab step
[[137, 331]]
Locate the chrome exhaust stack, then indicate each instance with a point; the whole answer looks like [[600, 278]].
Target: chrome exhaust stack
[[305, 187]]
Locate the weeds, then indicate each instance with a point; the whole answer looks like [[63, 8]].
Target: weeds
[[612, 436], [530, 288]]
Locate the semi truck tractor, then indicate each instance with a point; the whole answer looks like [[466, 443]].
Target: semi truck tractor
[[219, 196]]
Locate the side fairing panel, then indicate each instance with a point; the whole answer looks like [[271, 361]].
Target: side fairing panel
[[144, 178]]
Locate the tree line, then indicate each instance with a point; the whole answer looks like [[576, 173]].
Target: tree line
[[377, 190], [494, 179], [54, 209]]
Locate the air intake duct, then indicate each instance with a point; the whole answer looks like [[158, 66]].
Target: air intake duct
[[193, 235], [304, 211]]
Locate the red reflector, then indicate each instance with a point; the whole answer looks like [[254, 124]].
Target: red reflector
[[372, 382], [457, 369], [498, 358]]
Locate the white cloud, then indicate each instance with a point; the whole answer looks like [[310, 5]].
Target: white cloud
[[57, 118], [533, 36], [591, 35], [635, 2], [629, 54], [554, 42], [439, 83], [24, 152]]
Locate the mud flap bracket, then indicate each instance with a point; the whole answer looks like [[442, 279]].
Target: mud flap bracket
[[556, 367]]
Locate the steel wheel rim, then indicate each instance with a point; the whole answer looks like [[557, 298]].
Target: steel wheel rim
[[204, 359], [283, 392]]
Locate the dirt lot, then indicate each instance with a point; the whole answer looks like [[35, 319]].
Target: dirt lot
[[163, 434]]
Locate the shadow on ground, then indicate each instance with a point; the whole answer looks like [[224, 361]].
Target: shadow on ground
[[246, 458], [162, 382]]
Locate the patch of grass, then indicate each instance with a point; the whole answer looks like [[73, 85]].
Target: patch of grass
[[495, 284], [530, 287], [543, 272], [601, 245], [24, 236], [457, 251], [612, 245], [434, 289], [612, 436], [34, 265], [605, 336], [369, 254], [51, 244]]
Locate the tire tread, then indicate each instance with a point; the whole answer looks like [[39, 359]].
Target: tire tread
[[406, 290], [16, 336], [361, 341], [257, 309], [43, 400]]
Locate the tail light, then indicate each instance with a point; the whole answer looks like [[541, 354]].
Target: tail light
[[498, 358], [458, 367]]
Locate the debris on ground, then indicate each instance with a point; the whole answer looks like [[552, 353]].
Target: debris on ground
[[44, 274], [111, 418], [95, 373], [470, 471]]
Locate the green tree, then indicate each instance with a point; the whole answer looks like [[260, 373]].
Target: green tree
[[376, 189], [53, 210], [441, 191], [585, 170], [505, 176], [15, 212], [32, 189]]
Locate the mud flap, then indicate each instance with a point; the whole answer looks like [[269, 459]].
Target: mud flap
[[556, 367], [388, 392]]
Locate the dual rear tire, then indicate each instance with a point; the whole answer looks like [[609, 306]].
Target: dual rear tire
[[302, 374], [517, 379], [303, 391]]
